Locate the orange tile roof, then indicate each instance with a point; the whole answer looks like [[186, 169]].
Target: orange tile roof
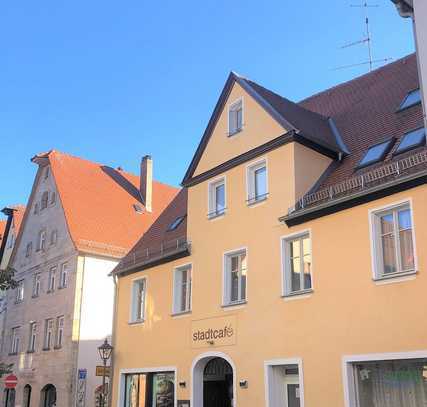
[[98, 203]]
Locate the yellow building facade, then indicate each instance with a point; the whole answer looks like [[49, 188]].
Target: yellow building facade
[[289, 271]]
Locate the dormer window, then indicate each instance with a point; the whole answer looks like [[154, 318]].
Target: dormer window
[[375, 153], [413, 139], [235, 117], [411, 99]]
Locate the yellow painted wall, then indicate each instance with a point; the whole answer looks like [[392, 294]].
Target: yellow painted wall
[[258, 128]]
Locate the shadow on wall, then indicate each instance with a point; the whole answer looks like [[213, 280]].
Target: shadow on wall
[[122, 182]]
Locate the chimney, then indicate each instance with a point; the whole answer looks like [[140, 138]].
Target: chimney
[[146, 182]]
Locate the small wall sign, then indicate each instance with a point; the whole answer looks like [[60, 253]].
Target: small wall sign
[[221, 331], [183, 403]]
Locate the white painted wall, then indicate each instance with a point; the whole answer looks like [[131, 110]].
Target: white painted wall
[[96, 318], [420, 25]]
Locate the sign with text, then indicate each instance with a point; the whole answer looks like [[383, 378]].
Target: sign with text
[[102, 371], [81, 388], [221, 331]]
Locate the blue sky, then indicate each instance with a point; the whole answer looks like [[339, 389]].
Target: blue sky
[[112, 81]]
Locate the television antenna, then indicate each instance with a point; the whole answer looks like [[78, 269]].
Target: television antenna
[[366, 40]]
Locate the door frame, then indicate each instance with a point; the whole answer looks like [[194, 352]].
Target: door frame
[[197, 373]]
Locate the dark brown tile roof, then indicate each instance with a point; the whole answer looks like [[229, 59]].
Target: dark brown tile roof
[[365, 111], [158, 241]]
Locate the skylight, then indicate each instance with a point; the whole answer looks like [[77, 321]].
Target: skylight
[[412, 140], [412, 98], [375, 153], [175, 223]]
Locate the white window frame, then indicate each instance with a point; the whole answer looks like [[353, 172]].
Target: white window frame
[[63, 275], [212, 212], [41, 244], [232, 107], [348, 372], [226, 277], [284, 250], [36, 284], [49, 333], [20, 291], [376, 245], [251, 169], [52, 279], [268, 378], [177, 292], [15, 340], [33, 337], [133, 317], [59, 335]]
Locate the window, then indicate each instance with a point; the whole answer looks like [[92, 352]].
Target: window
[[48, 335], [36, 209], [411, 99], [296, 252], [44, 200], [53, 237], [391, 383], [33, 337], [36, 285], [413, 139], [149, 389], [284, 383], [52, 279], [29, 249], [53, 198], [216, 198], [257, 182], [375, 153], [235, 277], [41, 241], [63, 278], [182, 289], [138, 300], [20, 291], [174, 225], [46, 173], [15, 340], [393, 241], [59, 332], [235, 117]]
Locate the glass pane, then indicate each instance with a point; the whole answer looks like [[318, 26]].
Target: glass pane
[[396, 383], [389, 254], [232, 121], [220, 198], [412, 139], [163, 390], [411, 99], [307, 271], [387, 224], [406, 249], [184, 294], [295, 248], [375, 153], [260, 182], [295, 274], [239, 117], [306, 246], [234, 263], [243, 286], [404, 219], [234, 287]]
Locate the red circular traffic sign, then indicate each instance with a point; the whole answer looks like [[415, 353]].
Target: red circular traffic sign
[[10, 381]]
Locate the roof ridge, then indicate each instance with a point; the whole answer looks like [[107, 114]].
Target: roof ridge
[[357, 78]]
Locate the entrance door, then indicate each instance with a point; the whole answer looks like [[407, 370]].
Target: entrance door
[[292, 395], [218, 384]]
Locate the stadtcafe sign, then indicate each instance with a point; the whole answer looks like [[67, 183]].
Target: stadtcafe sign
[[213, 332]]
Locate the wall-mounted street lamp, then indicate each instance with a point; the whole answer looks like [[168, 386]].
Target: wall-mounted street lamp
[[105, 351]]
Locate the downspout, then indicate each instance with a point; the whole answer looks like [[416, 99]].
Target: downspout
[[113, 340]]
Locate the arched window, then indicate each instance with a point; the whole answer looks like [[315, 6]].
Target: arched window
[[27, 396], [48, 396], [44, 201]]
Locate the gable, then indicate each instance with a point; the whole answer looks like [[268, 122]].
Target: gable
[[259, 127]]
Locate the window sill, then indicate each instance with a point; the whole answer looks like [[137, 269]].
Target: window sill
[[31, 351], [13, 354], [19, 301], [62, 287], [298, 294], [50, 291], [254, 201], [234, 304], [395, 277], [233, 133], [57, 347], [45, 349], [181, 313], [137, 322], [35, 296], [216, 215]]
